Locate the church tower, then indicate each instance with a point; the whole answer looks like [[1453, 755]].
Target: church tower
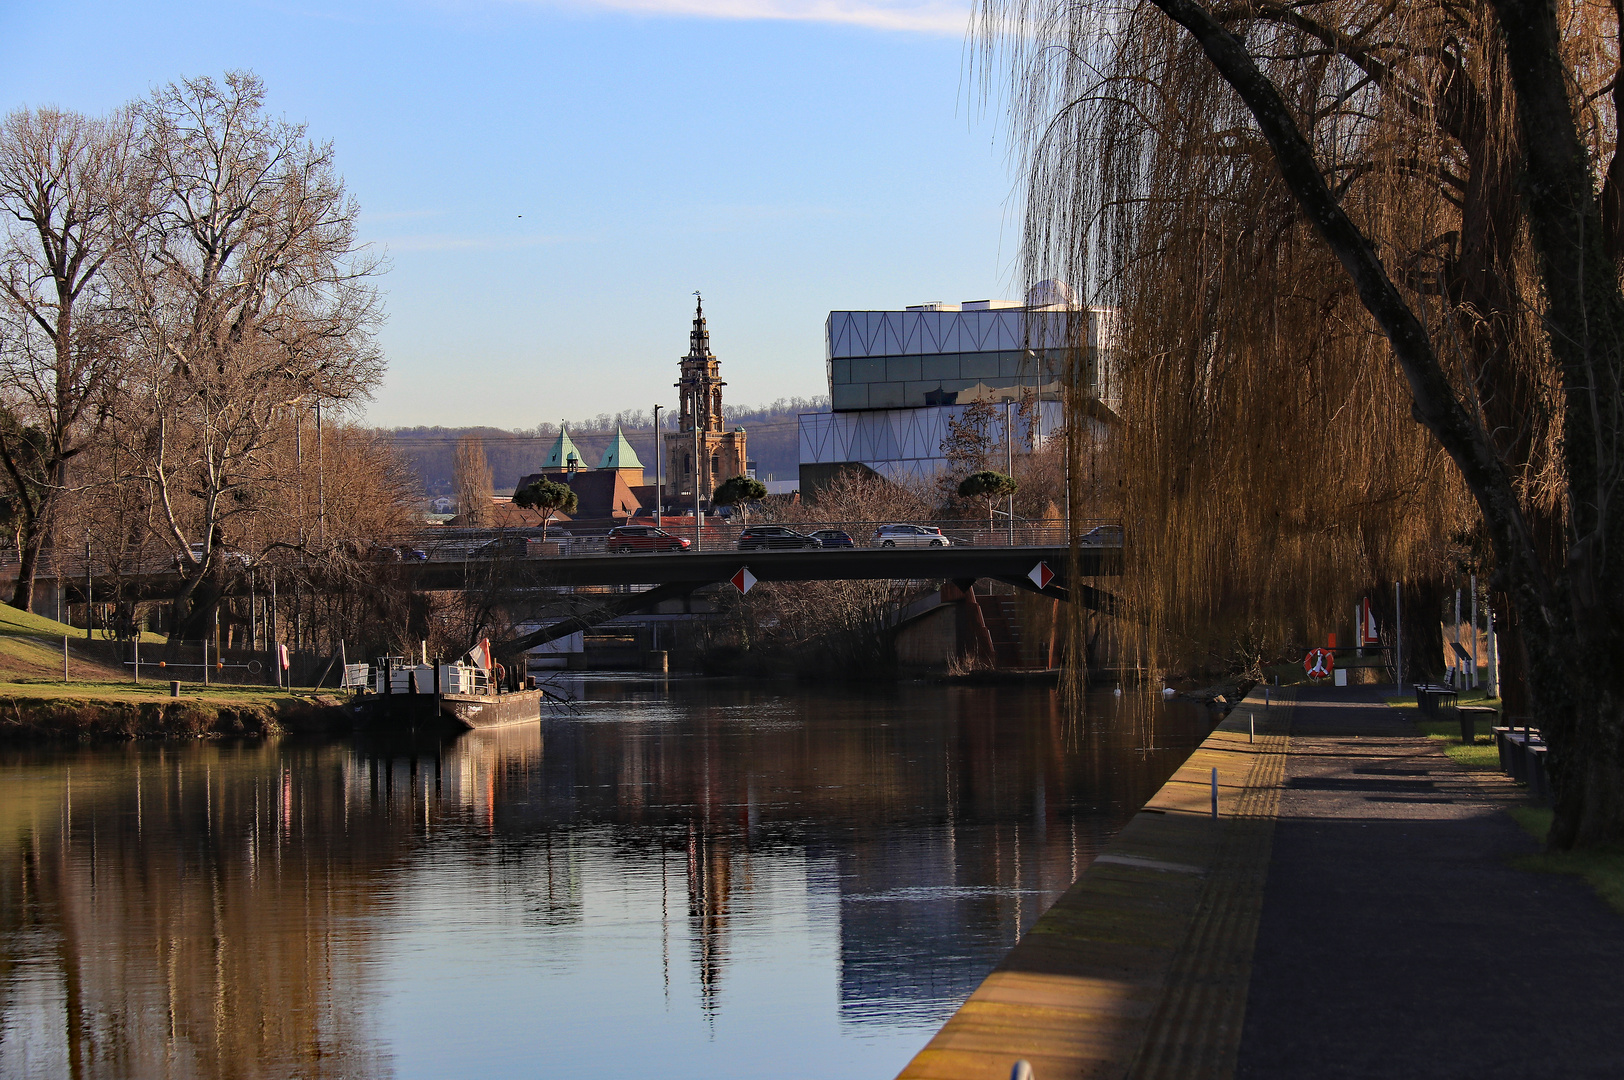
[[699, 390]]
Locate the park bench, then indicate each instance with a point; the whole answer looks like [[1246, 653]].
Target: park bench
[[1431, 697], [1539, 783], [1469, 715], [1512, 741]]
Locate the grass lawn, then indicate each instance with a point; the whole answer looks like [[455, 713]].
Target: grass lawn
[[1603, 869], [14, 622], [147, 690], [1480, 755]]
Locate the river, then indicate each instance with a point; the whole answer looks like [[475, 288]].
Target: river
[[683, 878]]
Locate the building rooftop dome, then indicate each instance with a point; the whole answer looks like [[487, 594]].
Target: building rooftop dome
[[1050, 292]]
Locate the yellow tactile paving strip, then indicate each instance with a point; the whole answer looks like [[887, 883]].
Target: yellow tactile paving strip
[[1140, 969]]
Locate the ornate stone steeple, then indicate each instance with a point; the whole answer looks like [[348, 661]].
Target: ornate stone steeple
[[700, 386], [700, 454]]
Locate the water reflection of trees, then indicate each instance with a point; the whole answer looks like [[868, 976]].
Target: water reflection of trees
[[200, 910], [215, 909]]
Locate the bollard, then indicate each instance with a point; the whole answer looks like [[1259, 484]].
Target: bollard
[[1251, 727], [1021, 1071], [64, 658], [174, 688], [1215, 793], [659, 662]]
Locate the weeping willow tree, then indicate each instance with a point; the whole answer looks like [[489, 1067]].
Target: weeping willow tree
[[1363, 264]]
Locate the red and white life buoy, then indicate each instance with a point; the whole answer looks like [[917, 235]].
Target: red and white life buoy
[[1319, 663]]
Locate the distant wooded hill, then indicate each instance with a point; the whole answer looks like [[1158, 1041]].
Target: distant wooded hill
[[772, 443]]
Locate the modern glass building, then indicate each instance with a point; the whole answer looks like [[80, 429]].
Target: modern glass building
[[896, 378]]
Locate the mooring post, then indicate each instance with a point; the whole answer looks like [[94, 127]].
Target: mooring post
[[64, 658], [1215, 793]]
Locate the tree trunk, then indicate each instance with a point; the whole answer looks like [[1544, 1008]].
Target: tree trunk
[[192, 607], [31, 540], [1423, 643], [1511, 670]]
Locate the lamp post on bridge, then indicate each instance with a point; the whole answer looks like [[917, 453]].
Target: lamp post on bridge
[[659, 494]]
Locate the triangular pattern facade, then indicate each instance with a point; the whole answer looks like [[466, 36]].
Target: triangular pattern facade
[[921, 333], [896, 443]]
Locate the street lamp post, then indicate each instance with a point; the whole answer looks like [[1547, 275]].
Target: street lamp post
[[659, 494], [1009, 466]]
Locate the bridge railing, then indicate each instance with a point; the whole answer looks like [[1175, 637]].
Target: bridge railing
[[713, 534]]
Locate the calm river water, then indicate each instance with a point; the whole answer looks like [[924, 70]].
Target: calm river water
[[676, 879]]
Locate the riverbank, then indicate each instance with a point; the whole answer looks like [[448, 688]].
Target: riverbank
[[38, 712], [1359, 907]]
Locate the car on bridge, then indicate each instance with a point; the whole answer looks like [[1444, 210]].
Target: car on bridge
[[832, 538], [757, 537], [629, 538], [503, 547], [1102, 536], [910, 536]]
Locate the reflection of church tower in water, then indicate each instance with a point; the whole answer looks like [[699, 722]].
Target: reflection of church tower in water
[[721, 453]]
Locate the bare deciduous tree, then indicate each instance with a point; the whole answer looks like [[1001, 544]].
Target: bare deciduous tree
[[65, 192], [471, 480], [252, 299]]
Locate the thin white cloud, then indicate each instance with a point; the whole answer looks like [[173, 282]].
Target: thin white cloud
[[917, 16]]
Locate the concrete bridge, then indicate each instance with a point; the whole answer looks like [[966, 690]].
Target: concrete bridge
[[675, 574], [644, 580]]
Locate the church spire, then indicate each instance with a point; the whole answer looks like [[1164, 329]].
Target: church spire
[[699, 337]]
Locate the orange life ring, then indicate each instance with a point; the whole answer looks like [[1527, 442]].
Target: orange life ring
[[1319, 663]]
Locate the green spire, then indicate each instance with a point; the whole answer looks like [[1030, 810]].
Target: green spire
[[620, 454], [563, 453]]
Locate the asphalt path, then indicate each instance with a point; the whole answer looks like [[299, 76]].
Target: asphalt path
[[1397, 939]]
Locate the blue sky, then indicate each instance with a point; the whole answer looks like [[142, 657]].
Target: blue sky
[[786, 157]]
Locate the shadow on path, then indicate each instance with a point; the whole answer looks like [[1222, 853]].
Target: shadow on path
[[1396, 939]]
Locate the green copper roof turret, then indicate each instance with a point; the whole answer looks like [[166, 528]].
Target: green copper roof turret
[[564, 454], [620, 454]]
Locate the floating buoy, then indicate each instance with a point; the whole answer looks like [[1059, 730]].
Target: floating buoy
[[163, 663], [1168, 691]]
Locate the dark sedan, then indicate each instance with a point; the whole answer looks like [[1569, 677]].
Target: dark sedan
[[757, 537], [629, 538], [832, 538]]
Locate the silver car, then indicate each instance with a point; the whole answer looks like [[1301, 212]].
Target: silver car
[[909, 536]]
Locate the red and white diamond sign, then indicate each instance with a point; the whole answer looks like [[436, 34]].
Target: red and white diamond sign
[[743, 580], [1041, 575]]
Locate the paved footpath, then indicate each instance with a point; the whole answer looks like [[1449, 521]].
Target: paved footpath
[[1397, 939], [1351, 912]]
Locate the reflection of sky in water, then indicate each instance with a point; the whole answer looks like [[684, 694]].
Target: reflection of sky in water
[[705, 879]]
